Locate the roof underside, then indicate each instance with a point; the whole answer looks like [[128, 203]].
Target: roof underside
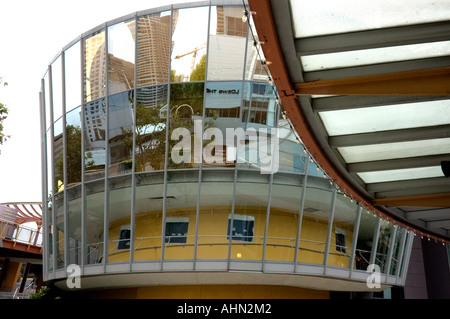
[[372, 82]]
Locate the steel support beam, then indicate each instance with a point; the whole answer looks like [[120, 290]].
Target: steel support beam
[[420, 82], [432, 200]]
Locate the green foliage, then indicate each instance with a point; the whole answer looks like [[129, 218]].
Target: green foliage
[[3, 116], [40, 294]]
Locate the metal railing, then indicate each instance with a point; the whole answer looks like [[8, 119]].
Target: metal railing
[[20, 233]]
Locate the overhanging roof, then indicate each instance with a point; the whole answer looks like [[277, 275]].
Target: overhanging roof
[[366, 85]]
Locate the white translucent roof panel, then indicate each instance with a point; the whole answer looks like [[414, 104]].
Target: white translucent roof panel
[[388, 117], [401, 174], [376, 152], [374, 56], [320, 17]]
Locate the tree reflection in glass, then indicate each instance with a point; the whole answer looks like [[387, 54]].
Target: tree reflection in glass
[[189, 38]]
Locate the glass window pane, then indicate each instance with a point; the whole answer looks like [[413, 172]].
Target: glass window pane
[[329, 16], [292, 154], [94, 132], [284, 217], [345, 213], [181, 204], [189, 38], [151, 114], [58, 186], [153, 55], [254, 69], [121, 51], [216, 201], [227, 41], [119, 217], [251, 200], [94, 67], [57, 89], [368, 226], [149, 206], [74, 162], [222, 109], [388, 117], [397, 252], [120, 133], [374, 56], [95, 203], [316, 215], [48, 111], [384, 243], [50, 195], [186, 111], [353, 154], [73, 76]]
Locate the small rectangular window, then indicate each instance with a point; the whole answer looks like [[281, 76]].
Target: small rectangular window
[[341, 240], [124, 237], [176, 229], [243, 227]]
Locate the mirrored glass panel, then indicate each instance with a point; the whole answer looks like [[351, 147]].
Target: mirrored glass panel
[[73, 71], [94, 140], [189, 41], [227, 41], [316, 215], [121, 52], [367, 230], [186, 112], [345, 213], [153, 48], [181, 207], [222, 110], [120, 133], [94, 67], [149, 210], [150, 129], [216, 200], [292, 154], [258, 116]]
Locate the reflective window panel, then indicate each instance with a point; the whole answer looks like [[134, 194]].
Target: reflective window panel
[[121, 52], [94, 67], [189, 41], [153, 48], [150, 129], [73, 76], [227, 41], [120, 133]]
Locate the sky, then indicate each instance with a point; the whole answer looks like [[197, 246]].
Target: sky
[[32, 33]]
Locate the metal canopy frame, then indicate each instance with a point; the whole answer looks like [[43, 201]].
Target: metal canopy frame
[[363, 86]]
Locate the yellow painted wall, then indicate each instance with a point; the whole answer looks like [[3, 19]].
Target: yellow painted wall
[[213, 242], [214, 292], [12, 276]]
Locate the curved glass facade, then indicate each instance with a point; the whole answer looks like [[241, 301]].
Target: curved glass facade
[[154, 156]]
